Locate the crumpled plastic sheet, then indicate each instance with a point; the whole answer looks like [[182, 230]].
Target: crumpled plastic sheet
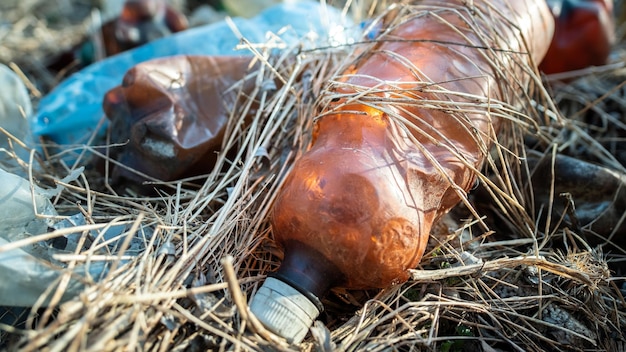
[[29, 270], [15, 107]]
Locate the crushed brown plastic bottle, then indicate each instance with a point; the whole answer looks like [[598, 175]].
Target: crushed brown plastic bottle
[[398, 141], [170, 115]]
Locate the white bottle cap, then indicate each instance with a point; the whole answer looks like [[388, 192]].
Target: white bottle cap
[[284, 310]]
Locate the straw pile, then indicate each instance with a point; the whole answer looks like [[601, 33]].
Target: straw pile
[[524, 285]]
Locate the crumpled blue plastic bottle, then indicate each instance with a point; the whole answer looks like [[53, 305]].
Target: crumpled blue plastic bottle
[[72, 111]]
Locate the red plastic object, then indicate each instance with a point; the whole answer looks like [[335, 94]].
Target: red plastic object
[[583, 37]]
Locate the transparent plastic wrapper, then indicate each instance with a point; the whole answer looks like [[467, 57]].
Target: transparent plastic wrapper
[[15, 107], [71, 112], [25, 272], [30, 269]]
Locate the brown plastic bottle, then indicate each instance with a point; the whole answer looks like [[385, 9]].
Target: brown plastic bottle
[[395, 148], [140, 22], [170, 114]]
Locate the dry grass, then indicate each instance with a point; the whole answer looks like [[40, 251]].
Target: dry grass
[[525, 286]]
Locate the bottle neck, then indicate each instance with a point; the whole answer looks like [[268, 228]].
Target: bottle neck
[[308, 271]]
